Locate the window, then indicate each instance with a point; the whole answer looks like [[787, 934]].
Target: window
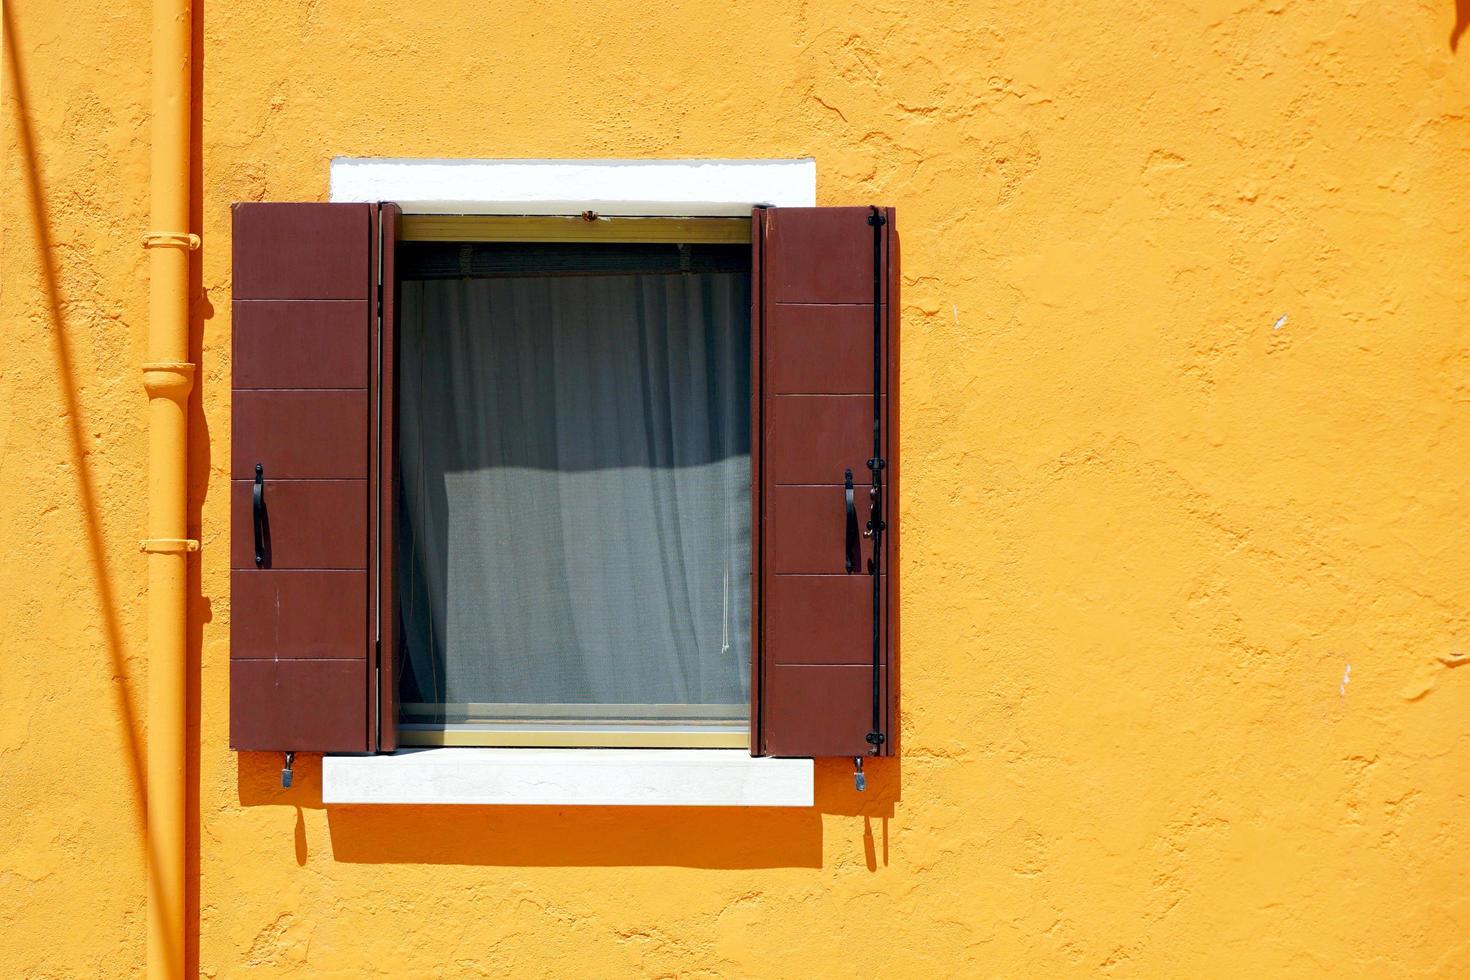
[[622, 481], [574, 502]]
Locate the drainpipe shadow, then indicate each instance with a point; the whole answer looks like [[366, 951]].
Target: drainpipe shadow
[[196, 483]]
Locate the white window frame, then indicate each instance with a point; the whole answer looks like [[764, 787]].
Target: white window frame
[[572, 777]]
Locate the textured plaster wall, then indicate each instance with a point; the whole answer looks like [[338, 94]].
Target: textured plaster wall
[[1185, 385]]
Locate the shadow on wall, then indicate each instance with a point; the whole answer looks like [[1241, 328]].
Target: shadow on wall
[[81, 463], [1462, 21], [583, 836]]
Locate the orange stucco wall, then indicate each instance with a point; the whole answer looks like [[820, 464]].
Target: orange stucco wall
[[1187, 543]]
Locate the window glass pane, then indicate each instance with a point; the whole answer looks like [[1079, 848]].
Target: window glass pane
[[574, 514]]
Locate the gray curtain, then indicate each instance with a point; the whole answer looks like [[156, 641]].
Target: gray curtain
[[574, 456]]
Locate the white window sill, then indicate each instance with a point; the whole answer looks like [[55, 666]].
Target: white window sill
[[568, 777]]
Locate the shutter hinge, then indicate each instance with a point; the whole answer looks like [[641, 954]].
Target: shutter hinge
[[876, 464]]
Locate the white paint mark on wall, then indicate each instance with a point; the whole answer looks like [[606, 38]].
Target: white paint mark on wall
[[1280, 323], [956, 308], [1347, 675]]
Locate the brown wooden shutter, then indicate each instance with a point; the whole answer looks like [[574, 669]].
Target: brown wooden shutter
[[815, 352], [301, 619]]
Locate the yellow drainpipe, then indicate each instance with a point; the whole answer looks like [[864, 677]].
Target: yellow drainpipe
[[168, 377]]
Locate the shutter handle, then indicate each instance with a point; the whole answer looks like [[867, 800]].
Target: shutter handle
[[853, 549], [258, 510]]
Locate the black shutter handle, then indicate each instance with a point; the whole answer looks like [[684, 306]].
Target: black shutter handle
[[854, 552], [258, 509]]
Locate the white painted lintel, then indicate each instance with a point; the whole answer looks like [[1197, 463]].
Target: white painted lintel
[[613, 187], [568, 777]]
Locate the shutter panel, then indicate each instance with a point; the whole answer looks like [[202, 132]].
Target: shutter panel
[[301, 629], [816, 269]]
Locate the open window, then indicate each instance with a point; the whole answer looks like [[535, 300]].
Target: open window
[[564, 481], [573, 505]]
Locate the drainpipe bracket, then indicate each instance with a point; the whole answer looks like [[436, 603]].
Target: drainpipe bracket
[[171, 239], [168, 546]]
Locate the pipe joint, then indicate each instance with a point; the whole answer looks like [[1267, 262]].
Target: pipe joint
[[168, 379]]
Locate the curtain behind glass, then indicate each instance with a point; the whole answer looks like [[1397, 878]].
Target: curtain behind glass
[[574, 457]]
